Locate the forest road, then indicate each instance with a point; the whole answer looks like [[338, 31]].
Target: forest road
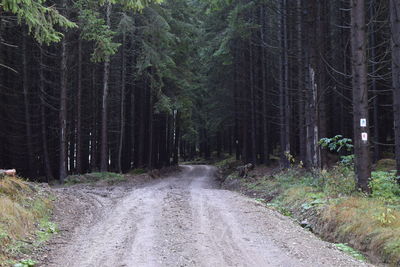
[[185, 220]]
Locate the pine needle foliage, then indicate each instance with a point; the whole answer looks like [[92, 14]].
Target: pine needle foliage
[[40, 19]]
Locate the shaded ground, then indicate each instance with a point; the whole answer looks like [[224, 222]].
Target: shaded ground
[[182, 220]]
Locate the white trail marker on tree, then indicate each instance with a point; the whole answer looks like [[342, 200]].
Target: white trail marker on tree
[[364, 137]]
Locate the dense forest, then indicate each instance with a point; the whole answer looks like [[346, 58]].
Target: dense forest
[[107, 85]]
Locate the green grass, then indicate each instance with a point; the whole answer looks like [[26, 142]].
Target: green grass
[[137, 171], [46, 230], [26, 263], [350, 251], [226, 162], [109, 177], [196, 161], [25, 213]]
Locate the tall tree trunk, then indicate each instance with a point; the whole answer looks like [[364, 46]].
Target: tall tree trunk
[[311, 93], [314, 130], [373, 85], [133, 127], [360, 95], [265, 137], [395, 26], [142, 126], [150, 140], [283, 88], [2, 113], [79, 112], [322, 88], [236, 106], [63, 110], [95, 130], [308, 112], [252, 107], [122, 114], [170, 139], [300, 64], [104, 110], [28, 124], [71, 143], [132, 112], [177, 137], [286, 82], [46, 158]]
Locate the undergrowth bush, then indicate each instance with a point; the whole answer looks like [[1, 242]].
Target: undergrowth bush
[[339, 181], [385, 187]]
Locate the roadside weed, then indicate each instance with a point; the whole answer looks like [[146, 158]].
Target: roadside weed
[[350, 251], [26, 263]]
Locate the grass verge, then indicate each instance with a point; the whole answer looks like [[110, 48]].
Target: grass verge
[[327, 203], [25, 220], [108, 177]]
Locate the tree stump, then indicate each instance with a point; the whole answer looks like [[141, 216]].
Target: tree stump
[[244, 170], [12, 173]]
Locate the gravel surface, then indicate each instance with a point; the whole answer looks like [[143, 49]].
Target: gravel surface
[[181, 220]]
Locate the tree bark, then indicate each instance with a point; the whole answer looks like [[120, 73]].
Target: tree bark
[[360, 94]]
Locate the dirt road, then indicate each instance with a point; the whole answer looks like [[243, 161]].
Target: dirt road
[[186, 220]]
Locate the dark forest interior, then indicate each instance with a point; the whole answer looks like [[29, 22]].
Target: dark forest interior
[[91, 85]]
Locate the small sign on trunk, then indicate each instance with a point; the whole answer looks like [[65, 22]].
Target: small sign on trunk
[[363, 122], [364, 137]]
